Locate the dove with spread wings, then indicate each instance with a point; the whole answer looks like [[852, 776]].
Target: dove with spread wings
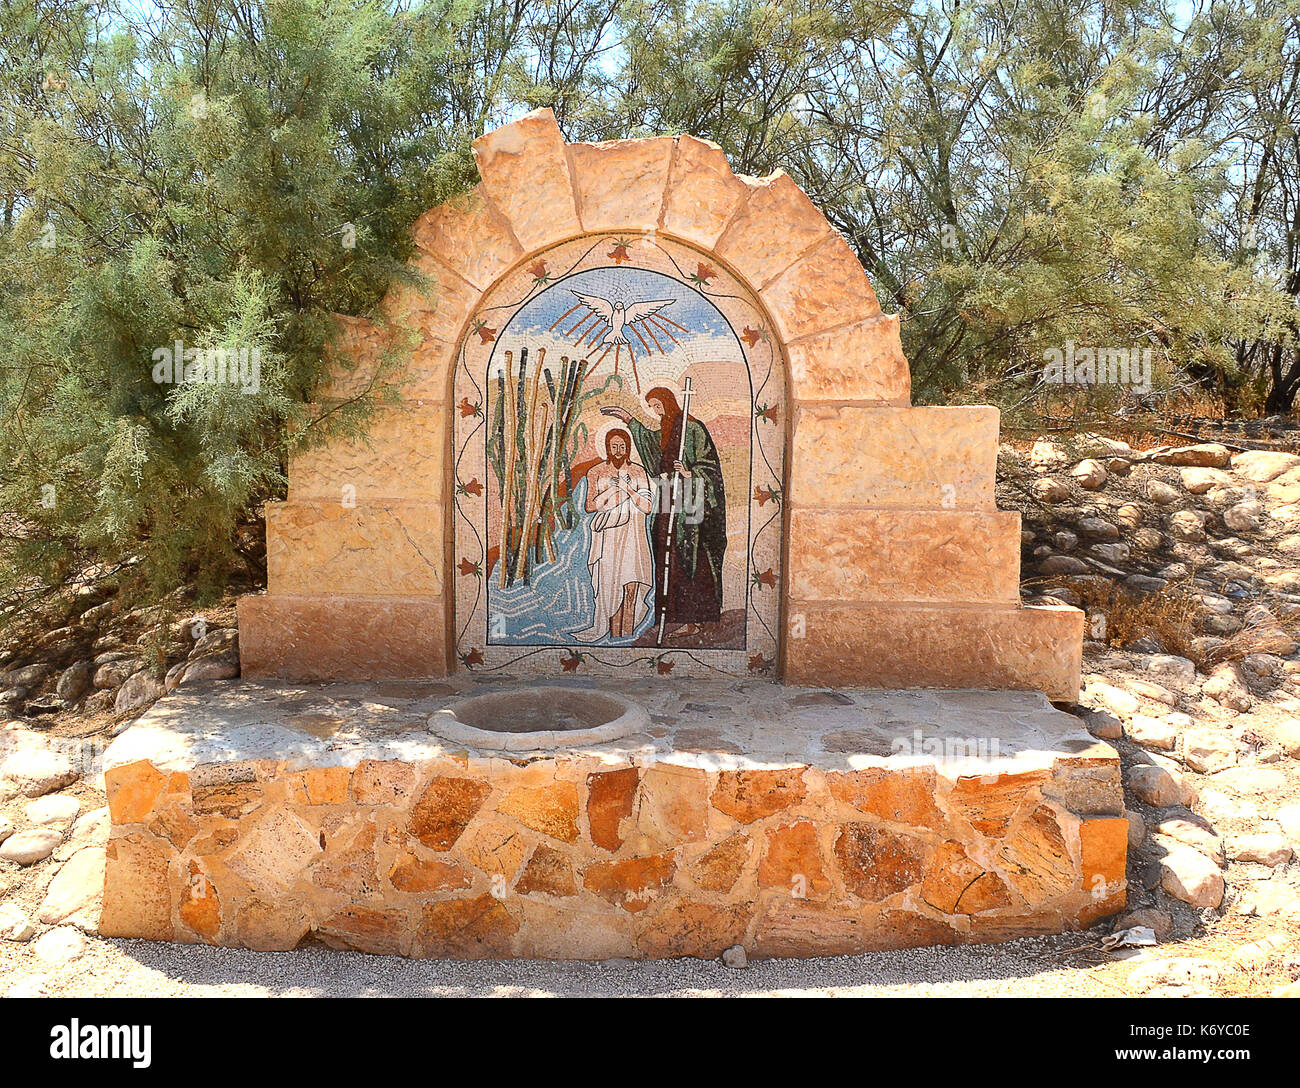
[[617, 319]]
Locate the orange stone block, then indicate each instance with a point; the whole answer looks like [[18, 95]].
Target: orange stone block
[[862, 362], [990, 802], [419, 875], [342, 638], [366, 929], [702, 194], [632, 883], [826, 289], [271, 927], [904, 795], [703, 930], [133, 790], [468, 235], [1103, 847], [548, 871], [751, 795], [958, 885], [1036, 858], [464, 929], [552, 810], [718, 869], [776, 226], [382, 782], [793, 861], [137, 888], [620, 184], [876, 863], [320, 786], [610, 797], [445, 809]]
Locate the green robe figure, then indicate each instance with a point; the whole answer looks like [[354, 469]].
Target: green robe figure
[[693, 594]]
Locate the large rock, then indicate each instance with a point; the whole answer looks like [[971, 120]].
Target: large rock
[[1261, 466], [1227, 687], [214, 667], [78, 888], [140, 690], [1208, 752], [1158, 786], [1171, 667], [91, 829], [29, 847], [1202, 455], [1188, 875], [1265, 848], [1199, 480], [115, 672], [75, 681], [37, 770], [57, 810], [1187, 526], [1244, 517], [1090, 474]]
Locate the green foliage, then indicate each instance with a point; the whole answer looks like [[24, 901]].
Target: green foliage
[[1014, 177]]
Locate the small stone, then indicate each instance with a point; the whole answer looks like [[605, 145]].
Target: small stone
[[1261, 781], [75, 681], [1264, 848], [1288, 736], [1111, 553], [1243, 518], [1189, 876], [1194, 832], [1050, 490], [1207, 752], [1062, 564], [215, 667], [1114, 699], [1155, 692], [1129, 515], [1046, 454], [1288, 818], [1099, 528], [1179, 669], [1157, 786], [1158, 921], [114, 673], [216, 642], [29, 847], [1226, 687], [1065, 540], [1151, 732], [61, 945], [1186, 526], [14, 924], [1261, 466], [1103, 724], [139, 691], [1147, 540], [1090, 474], [1202, 455], [735, 957], [1200, 480], [1137, 829], [6, 828], [77, 887], [57, 810], [1161, 493]]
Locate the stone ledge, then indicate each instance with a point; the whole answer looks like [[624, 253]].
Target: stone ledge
[[259, 815], [337, 637], [987, 646], [904, 555], [401, 458]]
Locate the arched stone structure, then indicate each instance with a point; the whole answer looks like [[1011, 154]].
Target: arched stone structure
[[895, 567]]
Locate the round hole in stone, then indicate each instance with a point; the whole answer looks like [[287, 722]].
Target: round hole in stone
[[539, 717]]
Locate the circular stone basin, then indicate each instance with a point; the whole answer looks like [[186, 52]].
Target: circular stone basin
[[541, 717]]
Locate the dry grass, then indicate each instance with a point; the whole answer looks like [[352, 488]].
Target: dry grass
[[1173, 615], [1273, 638]]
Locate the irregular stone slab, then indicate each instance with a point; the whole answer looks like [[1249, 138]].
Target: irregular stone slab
[[1265, 848], [620, 184], [1263, 465]]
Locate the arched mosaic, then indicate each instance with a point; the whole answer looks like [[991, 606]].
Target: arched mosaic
[[594, 531]]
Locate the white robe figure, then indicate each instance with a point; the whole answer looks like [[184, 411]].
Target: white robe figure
[[620, 550]]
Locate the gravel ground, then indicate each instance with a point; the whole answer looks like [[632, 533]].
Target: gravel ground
[[126, 968]]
